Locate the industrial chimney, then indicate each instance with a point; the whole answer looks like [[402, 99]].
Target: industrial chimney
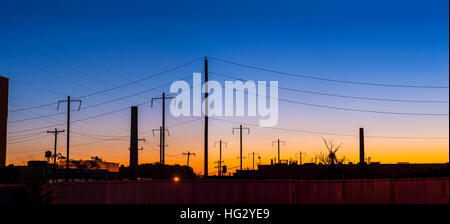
[[134, 143], [361, 146], [3, 118]]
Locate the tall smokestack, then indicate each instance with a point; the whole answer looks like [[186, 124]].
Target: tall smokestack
[[3, 118], [134, 143], [361, 146]]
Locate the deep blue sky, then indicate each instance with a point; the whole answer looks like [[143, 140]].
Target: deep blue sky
[[400, 42], [391, 41]]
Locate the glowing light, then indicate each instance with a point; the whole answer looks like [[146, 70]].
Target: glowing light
[[176, 179]]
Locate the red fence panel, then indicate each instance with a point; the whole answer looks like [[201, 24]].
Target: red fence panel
[[368, 191], [421, 191], [210, 191]]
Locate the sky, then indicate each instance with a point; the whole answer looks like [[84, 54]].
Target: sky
[[52, 49]]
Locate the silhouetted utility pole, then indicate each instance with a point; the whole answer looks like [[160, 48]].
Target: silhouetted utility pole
[[188, 154], [163, 126], [219, 168], [278, 141], [300, 155], [55, 132], [206, 119], [253, 156], [240, 139], [161, 148], [68, 125], [220, 154], [361, 146]]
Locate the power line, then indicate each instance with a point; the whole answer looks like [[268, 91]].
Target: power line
[[58, 61], [25, 135], [15, 137], [116, 87], [362, 110], [96, 135], [327, 133], [24, 140], [87, 118], [53, 74], [327, 79], [145, 78], [64, 49], [183, 123], [52, 58], [45, 71], [61, 147], [97, 138], [343, 96], [98, 104], [83, 119], [352, 109]]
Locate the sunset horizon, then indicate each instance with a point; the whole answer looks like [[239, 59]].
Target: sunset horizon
[[225, 111]]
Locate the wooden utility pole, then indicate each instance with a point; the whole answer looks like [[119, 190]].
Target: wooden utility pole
[[220, 155], [162, 129], [161, 148], [300, 155], [188, 154], [206, 120], [253, 167], [68, 126], [253, 156], [278, 141], [240, 140], [55, 132]]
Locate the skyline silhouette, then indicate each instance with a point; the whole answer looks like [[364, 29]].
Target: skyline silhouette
[[338, 69]]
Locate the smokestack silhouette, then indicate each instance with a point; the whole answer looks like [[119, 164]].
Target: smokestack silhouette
[[4, 82], [361, 146], [134, 143]]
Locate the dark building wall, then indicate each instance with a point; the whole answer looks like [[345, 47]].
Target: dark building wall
[[3, 118]]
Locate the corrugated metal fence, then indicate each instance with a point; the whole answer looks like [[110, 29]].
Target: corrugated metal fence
[[198, 191]]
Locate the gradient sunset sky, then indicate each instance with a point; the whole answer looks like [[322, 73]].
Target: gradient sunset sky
[[51, 49]]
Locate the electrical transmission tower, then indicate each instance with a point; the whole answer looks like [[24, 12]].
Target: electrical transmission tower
[[68, 125], [300, 154], [278, 142], [188, 154], [240, 140], [55, 132], [220, 142], [161, 147]]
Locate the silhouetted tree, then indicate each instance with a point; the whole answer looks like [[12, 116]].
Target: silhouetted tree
[[48, 155]]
